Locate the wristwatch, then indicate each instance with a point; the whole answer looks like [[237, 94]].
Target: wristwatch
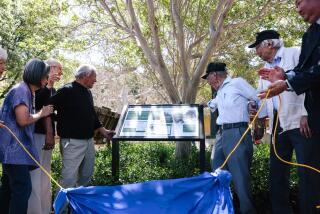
[[289, 88]]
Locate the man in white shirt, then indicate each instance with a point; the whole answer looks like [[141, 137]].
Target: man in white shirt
[[293, 128], [233, 95]]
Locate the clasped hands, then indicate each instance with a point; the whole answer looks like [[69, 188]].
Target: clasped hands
[[277, 78]]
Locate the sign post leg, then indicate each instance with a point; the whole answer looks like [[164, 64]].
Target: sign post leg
[[202, 155], [115, 160]]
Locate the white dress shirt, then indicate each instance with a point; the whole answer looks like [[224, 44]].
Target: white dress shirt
[[232, 101], [292, 107]]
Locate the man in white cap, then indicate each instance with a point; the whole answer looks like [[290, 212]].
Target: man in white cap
[[3, 59]]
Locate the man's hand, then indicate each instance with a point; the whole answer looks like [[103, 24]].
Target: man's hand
[[49, 142], [275, 88], [304, 127], [46, 111], [108, 134], [264, 73], [204, 104], [276, 73], [53, 78], [253, 108]]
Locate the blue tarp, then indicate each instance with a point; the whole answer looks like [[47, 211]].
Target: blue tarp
[[207, 193]]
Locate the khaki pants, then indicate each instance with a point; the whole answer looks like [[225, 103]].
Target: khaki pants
[[77, 163], [78, 158], [40, 201]]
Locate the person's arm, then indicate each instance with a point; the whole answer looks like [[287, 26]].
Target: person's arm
[[213, 105], [24, 118], [302, 81], [246, 90], [49, 139], [105, 133]]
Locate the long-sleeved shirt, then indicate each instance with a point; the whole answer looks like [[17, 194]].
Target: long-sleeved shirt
[[42, 98], [76, 117], [292, 107], [232, 101]]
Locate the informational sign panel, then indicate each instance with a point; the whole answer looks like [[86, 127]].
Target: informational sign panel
[[160, 121]]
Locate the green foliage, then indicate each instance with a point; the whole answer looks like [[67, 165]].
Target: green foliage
[[29, 29]]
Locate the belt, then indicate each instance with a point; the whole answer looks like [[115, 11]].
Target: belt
[[233, 125]]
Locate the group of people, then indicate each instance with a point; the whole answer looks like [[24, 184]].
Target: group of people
[[35, 111], [293, 74]]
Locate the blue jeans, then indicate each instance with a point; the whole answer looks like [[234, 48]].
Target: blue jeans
[[307, 152], [15, 189], [238, 164]]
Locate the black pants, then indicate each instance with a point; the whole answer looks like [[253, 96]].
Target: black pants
[[307, 152], [15, 189]]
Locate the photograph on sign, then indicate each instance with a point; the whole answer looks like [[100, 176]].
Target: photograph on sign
[[161, 121]]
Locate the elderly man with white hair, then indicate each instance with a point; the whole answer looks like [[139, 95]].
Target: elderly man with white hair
[[76, 123], [40, 201], [293, 129], [3, 59]]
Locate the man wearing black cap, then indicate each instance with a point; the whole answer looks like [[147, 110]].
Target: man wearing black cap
[[232, 103], [293, 127], [305, 78]]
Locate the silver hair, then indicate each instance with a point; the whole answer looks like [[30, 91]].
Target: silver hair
[[84, 70], [3, 54], [52, 62], [276, 43]]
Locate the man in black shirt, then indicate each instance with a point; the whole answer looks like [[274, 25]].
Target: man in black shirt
[[40, 198], [76, 123]]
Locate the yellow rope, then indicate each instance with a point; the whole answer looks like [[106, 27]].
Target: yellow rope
[[275, 150], [274, 141], [276, 153], [244, 134], [30, 155]]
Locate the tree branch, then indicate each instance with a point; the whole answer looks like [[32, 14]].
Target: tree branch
[[181, 45], [261, 13], [114, 20], [195, 43], [121, 16], [218, 17], [154, 31], [161, 68]]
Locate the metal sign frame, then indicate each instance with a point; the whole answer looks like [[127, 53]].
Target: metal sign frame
[[118, 138]]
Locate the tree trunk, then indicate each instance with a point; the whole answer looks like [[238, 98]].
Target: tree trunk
[[183, 149]]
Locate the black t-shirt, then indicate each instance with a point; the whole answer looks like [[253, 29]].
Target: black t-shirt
[[76, 117], [42, 98]]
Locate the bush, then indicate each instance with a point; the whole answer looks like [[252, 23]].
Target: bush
[[260, 180]]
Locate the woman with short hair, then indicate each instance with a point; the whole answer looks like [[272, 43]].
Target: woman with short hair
[[18, 114]]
